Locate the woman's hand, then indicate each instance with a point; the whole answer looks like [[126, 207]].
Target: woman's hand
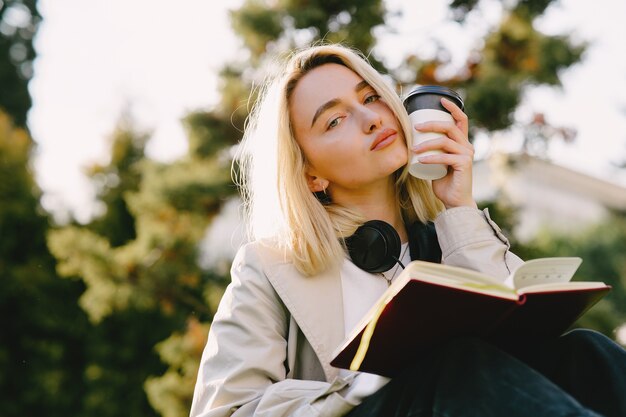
[[455, 189]]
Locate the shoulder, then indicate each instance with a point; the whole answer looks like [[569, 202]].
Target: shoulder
[[251, 291], [261, 263], [261, 254]]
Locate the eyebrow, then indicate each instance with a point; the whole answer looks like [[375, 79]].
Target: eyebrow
[[331, 103]]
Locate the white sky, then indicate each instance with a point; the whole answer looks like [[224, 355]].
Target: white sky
[[160, 59]]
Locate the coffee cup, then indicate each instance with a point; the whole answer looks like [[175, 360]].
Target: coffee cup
[[423, 104]]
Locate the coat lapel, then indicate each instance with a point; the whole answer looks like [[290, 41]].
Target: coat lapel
[[316, 303]]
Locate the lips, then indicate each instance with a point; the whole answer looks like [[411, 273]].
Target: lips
[[383, 139]]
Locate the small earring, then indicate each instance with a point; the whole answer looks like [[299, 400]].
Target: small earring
[[323, 197]]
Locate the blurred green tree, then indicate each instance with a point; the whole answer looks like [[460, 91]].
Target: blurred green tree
[[274, 27], [19, 20], [512, 57], [129, 309], [112, 181], [42, 345], [139, 263]]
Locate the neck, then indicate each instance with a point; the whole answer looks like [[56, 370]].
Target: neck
[[377, 202]]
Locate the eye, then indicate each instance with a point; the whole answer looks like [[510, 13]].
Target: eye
[[334, 123], [371, 98]]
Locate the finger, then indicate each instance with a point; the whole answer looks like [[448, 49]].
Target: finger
[[457, 114], [444, 144], [456, 161], [449, 129]]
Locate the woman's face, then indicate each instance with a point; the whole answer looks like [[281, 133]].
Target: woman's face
[[351, 139]]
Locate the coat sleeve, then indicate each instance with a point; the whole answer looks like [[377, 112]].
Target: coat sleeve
[[243, 371], [470, 239]]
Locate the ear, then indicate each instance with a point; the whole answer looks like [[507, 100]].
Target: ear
[[316, 184]]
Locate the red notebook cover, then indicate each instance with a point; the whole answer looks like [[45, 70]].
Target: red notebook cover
[[424, 315]]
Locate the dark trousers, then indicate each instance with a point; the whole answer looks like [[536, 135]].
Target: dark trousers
[[582, 373]]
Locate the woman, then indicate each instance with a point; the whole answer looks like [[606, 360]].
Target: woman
[[324, 151]]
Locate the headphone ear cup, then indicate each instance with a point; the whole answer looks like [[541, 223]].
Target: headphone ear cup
[[374, 247]]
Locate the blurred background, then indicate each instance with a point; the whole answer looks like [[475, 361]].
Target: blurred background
[[118, 120]]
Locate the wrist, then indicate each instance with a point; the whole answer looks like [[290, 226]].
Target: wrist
[[470, 203]]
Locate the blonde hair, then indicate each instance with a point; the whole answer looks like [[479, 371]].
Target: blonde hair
[[271, 169]]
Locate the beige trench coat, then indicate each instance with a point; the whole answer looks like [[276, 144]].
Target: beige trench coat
[[271, 340]]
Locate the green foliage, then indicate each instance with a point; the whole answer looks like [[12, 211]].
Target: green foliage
[[182, 352], [83, 253], [209, 133], [119, 357], [513, 57], [158, 269], [262, 24], [19, 20], [532, 8], [555, 54], [43, 331], [113, 181], [460, 8], [139, 266], [529, 8], [19, 195], [492, 100], [258, 25]]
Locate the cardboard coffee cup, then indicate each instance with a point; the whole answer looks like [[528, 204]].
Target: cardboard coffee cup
[[423, 104]]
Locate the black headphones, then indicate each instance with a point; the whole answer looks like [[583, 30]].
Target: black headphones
[[375, 246]]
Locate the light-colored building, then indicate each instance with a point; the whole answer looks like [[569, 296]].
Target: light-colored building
[[547, 195]]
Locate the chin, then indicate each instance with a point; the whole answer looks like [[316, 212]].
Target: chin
[[400, 159], [395, 166]]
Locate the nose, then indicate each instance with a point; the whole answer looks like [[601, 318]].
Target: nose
[[371, 120]]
